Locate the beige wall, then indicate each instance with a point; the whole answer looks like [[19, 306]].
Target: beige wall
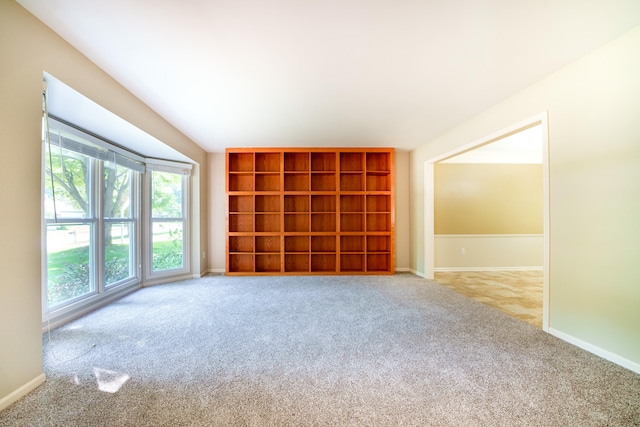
[[402, 223], [488, 198], [217, 211], [593, 107], [29, 48]]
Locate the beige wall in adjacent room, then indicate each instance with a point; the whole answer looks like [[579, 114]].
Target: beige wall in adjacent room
[[487, 252], [28, 49], [593, 107], [488, 198]]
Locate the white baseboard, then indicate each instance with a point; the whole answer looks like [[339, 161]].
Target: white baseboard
[[417, 273], [605, 354], [22, 391], [167, 279], [522, 268], [75, 311], [216, 271], [403, 270]]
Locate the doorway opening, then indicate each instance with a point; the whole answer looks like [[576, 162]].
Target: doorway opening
[[494, 243]]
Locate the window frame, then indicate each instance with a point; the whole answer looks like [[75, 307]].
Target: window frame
[[100, 293], [91, 220], [184, 170], [134, 221]]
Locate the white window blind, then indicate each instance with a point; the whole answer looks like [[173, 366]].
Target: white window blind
[[70, 138], [168, 166]]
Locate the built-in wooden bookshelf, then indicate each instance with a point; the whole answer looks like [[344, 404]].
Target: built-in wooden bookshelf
[[310, 211]]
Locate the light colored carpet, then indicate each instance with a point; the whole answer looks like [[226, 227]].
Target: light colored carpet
[[317, 351]]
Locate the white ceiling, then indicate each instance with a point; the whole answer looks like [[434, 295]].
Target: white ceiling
[[329, 72]]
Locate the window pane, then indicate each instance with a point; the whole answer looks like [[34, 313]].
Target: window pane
[[167, 245], [166, 197], [68, 262], [69, 183], [118, 253], [117, 191]]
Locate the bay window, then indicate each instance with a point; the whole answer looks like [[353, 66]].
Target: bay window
[[91, 208], [113, 219]]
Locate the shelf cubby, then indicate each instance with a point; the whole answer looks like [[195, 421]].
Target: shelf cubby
[[296, 243], [323, 244], [241, 203], [379, 203], [323, 161], [351, 162], [296, 203], [240, 162], [310, 211], [351, 181], [267, 162], [378, 222], [296, 263], [352, 262], [377, 182], [241, 244], [269, 203], [267, 181], [267, 244], [323, 263], [241, 263], [296, 222], [378, 262], [267, 263], [378, 163], [296, 162], [323, 181], [351, 204], [240, 223], [323, 222], [296, 181], [352, 243], [378, 244], [323, 203], [265, 223], [351, 222], [241, 181]]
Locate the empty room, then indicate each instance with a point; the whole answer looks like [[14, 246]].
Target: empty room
[[232, 213]]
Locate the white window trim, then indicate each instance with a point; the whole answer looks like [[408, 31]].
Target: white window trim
[[156, 277]]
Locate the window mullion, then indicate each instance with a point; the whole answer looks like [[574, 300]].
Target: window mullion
[[98, 204], [136, 213]]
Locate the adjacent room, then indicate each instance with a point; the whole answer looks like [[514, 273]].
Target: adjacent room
[[275, 213], [489, 223]]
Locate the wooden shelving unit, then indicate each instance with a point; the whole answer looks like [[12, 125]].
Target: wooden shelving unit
[[310, 211]]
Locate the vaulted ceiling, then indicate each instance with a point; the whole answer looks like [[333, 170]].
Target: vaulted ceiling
[[329, 72]]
